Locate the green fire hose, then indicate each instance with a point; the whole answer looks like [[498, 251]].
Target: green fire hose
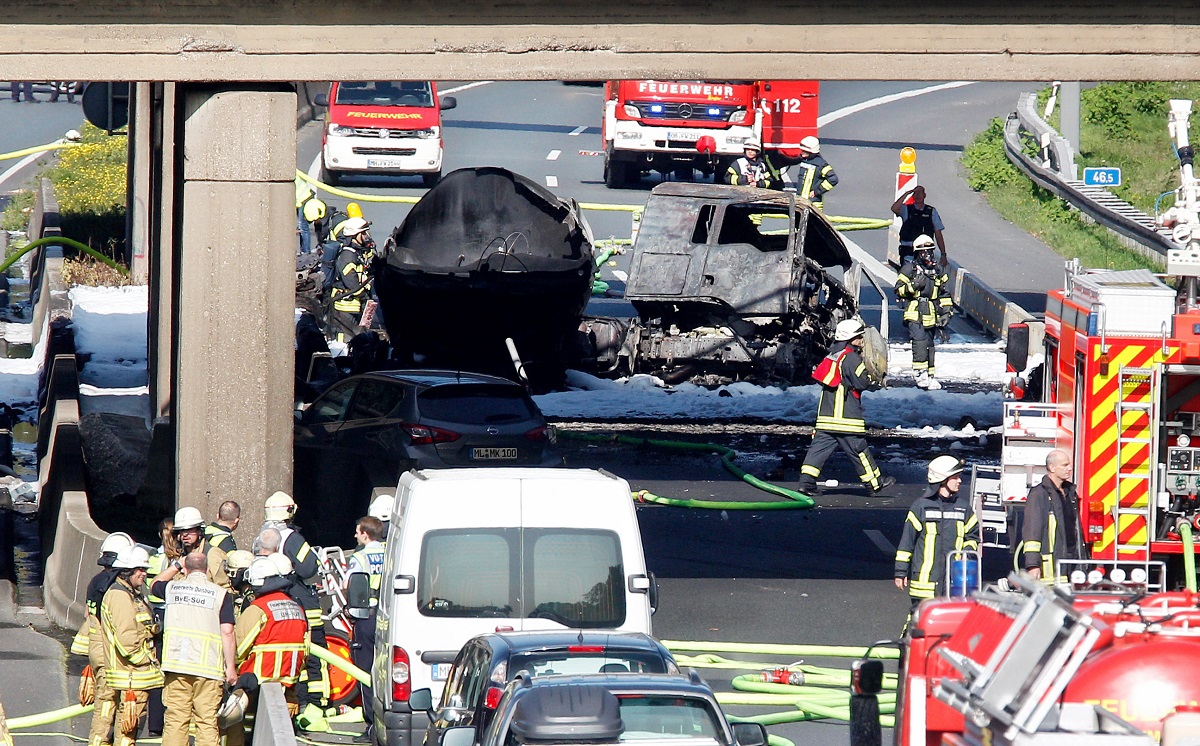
[[795, 500], [56, 240], [1189, 555]]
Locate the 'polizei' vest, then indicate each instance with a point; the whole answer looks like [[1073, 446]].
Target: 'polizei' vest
[[192, 632], [919, 222]]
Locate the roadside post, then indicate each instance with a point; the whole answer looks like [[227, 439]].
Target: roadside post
[[906, 178]]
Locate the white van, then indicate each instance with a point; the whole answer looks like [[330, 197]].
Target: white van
[[498, 549]]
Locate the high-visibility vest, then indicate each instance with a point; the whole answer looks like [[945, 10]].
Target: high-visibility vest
[[125, 614], [275, 648], [220, 537], [370, 558], [192, 630]]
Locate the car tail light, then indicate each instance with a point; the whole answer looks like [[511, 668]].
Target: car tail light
[[585, 648], [1095, 528], [492, 698], [401, 684], [423, 435], [542, 433]]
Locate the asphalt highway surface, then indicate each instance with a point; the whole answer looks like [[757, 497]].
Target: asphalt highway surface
[[816, 576]]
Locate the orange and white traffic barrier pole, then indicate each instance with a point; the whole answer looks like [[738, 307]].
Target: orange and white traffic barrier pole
[[906, 178]]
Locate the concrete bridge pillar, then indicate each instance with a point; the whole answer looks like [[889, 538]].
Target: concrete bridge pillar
[[229, 260]]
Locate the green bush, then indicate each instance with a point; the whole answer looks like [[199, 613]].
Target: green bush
[[1113, 106], [16, 213], [89, 183], [986, 164]]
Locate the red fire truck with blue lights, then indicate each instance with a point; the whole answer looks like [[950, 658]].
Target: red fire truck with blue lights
[[675, 126]]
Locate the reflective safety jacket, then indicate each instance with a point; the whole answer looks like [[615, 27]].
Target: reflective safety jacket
[[306, 567], [128, 627], [924, 291], [933, 528], [918, 222], [1050, 530], [840, 407], [192, 629], [351, 280], [815, 178], [756, 173], [369, 561], [159, 562], [272, 639], [220, 537]]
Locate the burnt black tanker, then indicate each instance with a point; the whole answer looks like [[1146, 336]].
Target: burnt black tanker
[[484, 257]]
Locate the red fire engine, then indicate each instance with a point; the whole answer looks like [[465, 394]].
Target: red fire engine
[[1121, 393], [676, 126]]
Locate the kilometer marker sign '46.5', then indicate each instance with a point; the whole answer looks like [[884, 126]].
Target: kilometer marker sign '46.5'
[[1102, 177]]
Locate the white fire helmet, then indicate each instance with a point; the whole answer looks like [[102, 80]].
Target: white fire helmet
[[188, 517], [381, 507], [924, 243], [116, 542], [942, 468], [848, 330], [810, 144], [261, 569], [282, 563], [280, 507], [132, 558]]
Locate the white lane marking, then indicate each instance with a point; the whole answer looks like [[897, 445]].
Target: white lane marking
[[577, 131], [878, 539], [552, 181], [314, 169], [553, 155], [621, 274], [846, 111], [19, 165], [465, 87]]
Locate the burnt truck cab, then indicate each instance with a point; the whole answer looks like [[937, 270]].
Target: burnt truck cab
[[732, 282]]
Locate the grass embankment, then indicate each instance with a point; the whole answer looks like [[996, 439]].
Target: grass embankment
[[1122, 124]]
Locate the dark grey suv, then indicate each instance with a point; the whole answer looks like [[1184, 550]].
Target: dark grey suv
[[363, 432], [489, 661]]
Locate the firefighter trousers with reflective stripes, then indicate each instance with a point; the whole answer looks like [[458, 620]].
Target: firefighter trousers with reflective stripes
[[313, 686], [922, 347], [191, 700], [131, 708], [823, 445], [105, 710]]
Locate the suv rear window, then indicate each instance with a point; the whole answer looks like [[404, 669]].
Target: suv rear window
[[549, 663], [655, 717], [574, 577], [476, 404]]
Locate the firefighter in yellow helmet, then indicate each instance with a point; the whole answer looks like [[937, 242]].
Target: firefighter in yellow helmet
[[93, 687], [128, 626]]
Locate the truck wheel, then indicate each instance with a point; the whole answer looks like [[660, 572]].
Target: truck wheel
[[329, 177], [616, 173], [431, 180]]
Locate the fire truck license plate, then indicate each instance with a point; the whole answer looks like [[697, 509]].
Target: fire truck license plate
[[384, 163], [684, 135], [494, 454]]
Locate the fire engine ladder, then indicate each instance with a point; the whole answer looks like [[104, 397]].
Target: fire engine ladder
[[1137, 410]]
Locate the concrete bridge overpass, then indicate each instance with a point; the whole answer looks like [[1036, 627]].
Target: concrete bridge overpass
[[211, 196]]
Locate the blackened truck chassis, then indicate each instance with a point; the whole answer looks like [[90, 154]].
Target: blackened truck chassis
[[729, 283]]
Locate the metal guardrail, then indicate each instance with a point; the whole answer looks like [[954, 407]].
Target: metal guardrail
[[1056, 174]]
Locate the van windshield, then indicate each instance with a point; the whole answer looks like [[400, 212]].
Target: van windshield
[[385, 93], [573, 577]]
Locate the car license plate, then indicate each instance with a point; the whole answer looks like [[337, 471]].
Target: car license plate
[[384, 163], [684, 135], [493, 454], [441, 671]]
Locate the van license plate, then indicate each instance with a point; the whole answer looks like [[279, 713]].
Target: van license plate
[[384, 163], [494, 454], [441, 671]]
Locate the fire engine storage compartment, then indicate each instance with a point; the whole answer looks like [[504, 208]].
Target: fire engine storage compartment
[[733, 283], [487, 255], [1132, 302]]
